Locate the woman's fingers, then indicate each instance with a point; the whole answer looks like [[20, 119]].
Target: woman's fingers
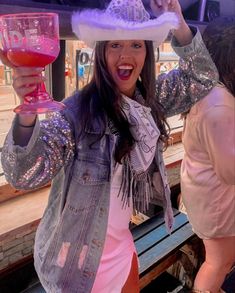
[[160, 6], [156, 7], [26, 79], [174, 6], [25, 91], [4, 59], [27, 71], [163, 4], [23, 77]]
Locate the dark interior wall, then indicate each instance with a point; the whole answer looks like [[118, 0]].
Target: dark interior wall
[[58, 77]]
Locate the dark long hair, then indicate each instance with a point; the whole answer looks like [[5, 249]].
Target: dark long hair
[[219, 38], [101, 100]]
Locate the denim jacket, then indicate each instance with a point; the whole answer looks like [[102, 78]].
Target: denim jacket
[[71, 234]]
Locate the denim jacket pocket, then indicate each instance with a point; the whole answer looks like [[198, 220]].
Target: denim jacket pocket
[[91, 171]]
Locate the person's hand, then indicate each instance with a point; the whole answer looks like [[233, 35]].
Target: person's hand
[[160, 6], [5, 60], [25, 79], [183, 33]]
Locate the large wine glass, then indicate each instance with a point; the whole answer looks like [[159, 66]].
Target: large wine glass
[[32, 40]]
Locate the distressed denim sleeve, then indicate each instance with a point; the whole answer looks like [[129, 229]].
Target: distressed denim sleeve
[[51, 147], [195, 77]]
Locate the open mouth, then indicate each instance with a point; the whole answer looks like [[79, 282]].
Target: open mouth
[[124, 71]]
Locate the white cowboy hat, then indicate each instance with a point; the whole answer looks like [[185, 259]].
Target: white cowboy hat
[[122, 20]]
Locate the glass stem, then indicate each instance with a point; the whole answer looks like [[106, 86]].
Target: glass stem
[[41, 88]]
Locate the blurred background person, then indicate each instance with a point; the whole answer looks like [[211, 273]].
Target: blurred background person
[[208, 167]]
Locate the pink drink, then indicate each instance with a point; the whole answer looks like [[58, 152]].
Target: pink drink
[[22, 57], [32, 40]]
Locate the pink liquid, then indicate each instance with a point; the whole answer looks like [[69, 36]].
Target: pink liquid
[[28, 58]]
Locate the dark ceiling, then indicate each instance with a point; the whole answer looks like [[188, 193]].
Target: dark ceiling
[[191, 8]]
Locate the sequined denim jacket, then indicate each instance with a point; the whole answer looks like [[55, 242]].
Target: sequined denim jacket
[[71, 234]]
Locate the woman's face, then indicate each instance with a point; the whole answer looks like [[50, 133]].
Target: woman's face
[[125, 60]]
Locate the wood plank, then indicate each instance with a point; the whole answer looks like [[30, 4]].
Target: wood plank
[[175, 137], [158, 252], [8, 192], [173, 155], [158, 270], [18, 213], [173, 175], [160, 234], [138, 219], [149, 225]]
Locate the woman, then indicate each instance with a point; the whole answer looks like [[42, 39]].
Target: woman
[[104, 151], [208, 168]]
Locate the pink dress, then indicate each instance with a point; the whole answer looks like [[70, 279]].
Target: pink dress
[[119, 246]]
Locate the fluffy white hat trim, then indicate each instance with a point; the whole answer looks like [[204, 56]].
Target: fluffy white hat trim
[[95, 25]]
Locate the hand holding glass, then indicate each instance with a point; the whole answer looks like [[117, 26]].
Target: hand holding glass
[[32, 40]]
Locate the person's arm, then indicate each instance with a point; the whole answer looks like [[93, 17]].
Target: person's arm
[[217, 137], [197, 74], [23, 129], [34, 152], [50, 147]]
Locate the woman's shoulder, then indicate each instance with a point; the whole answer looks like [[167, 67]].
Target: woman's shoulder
[[218, 96], [71, 111], [72, 102]]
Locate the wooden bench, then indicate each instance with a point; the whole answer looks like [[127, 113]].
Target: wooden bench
[[156, 249]]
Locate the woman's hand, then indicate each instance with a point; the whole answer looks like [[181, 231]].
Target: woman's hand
[[5, 60], [25, 79], [183, 33], [160, 6]]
